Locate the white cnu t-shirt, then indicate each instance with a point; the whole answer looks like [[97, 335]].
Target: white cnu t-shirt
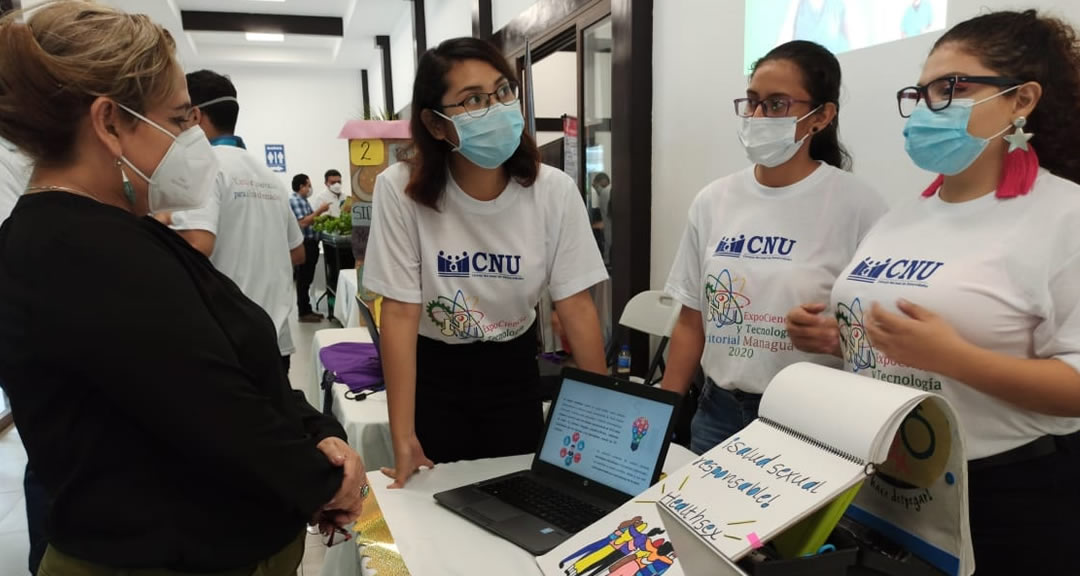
[[248, 212], [752, 253], [1005, 273], [478, 268]]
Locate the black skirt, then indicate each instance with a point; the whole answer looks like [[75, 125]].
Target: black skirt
[[480, 400]]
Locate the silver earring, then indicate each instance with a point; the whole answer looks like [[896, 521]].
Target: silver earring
[[1018, 140]]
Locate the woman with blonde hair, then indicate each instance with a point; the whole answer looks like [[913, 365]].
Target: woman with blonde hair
[[155, 410]]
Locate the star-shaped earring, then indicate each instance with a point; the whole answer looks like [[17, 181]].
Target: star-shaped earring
[[1018, 140]]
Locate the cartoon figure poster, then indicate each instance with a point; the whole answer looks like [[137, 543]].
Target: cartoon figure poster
[[632, 541]]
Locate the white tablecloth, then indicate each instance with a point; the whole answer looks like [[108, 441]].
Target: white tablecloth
[[324, 338], [436, 542], [367, 423], [345, 306]]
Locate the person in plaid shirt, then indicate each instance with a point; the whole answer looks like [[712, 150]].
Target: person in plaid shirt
[[304, 274]]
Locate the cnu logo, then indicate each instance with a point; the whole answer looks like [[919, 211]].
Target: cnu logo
[[479, 264], [765, 247], [901, 271]]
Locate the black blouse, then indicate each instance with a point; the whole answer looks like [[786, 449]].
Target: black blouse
[[150, 394]]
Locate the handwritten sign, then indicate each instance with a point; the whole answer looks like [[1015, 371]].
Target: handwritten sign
[[754, 485]]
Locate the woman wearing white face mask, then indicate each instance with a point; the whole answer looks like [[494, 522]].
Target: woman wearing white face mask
[[971, 289], [464, 238], [157, 405], [765, 239]]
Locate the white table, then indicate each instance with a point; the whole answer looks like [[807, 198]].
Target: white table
[[436, 542], [345, 306], [324, 338], [367, 423]]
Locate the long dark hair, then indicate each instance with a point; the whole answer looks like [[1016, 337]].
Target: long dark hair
[[1040, 49], [429, 156], [821, 79]]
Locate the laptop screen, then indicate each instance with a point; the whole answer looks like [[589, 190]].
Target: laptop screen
[[607, 436]]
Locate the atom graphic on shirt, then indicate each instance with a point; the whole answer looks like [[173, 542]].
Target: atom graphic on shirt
[[853, 339], [455, 317], [725, 299], [571, 449]]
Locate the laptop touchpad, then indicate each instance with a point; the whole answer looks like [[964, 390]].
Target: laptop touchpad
[[492, 510]]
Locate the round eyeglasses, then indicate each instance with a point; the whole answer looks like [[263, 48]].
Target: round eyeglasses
[[477, 104], [939, 93]]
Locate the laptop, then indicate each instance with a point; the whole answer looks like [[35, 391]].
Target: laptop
[[604, 442]]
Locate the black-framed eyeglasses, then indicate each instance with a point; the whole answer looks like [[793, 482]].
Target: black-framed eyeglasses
[[771, 107], [334, 536], [938, 94], [477, 104]]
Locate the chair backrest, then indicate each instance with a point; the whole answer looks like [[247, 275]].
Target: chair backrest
[[369, 321], [652, 312]]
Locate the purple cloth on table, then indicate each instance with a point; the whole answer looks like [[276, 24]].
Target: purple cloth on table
[[356, 364]]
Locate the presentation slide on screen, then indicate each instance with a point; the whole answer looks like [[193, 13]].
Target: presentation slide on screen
[[839, 25], [606, 436]]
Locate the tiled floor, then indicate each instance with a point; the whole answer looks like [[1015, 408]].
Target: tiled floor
[[14, 543]]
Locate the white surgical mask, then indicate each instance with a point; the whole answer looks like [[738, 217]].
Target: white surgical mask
[[771, 141], [182, 179], [335, 188]]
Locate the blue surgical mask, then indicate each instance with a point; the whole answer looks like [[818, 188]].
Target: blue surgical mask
[[938, 141], [491, 139]]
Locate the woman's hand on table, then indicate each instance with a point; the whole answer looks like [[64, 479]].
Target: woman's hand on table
[[409, 457], [345, 507]]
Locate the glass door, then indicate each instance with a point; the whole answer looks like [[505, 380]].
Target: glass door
[[595, 143]]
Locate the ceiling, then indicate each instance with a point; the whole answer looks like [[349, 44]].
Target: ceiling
[[361, 21]]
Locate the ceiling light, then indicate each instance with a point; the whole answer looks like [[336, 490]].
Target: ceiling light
[[269, 0], [264, 36]]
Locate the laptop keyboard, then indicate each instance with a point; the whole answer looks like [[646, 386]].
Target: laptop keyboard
[[545, 502]]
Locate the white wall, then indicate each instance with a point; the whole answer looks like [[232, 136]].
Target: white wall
[[376, 97], [302, 109], [447, 19], [403, 60], [698, 70], [503, 11], [555, 92]]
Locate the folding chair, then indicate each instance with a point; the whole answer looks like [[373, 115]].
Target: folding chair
[[369, 321], [652, 312]]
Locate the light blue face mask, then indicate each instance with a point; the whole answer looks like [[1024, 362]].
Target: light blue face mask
[[939, 141], [491, 139]]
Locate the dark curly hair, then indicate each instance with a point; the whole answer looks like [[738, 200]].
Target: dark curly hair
[[1034, 48], [821, 79], [429, 156]]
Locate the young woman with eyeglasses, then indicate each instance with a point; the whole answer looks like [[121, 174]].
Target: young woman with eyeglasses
[[765, 239], [464, 238], [972, 289]]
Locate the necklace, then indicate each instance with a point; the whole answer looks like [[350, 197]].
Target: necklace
[[61, 189]]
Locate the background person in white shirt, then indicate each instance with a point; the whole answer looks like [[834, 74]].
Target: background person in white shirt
[[332, 194], [246, 228], [765, 239], [972, 290], [465, 236], [14, 174]]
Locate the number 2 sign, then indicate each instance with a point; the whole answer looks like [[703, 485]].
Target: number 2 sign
[[367, 152]]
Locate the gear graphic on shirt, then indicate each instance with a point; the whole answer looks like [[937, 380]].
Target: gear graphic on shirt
[[455, 318], [725, 299], [854, 342]]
